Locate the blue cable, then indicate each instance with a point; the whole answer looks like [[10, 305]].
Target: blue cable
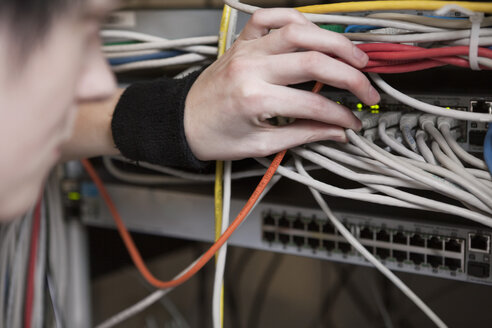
[[487, 148], [132, 59], [359, 28]]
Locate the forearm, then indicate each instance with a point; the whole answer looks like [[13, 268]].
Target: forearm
[[92, 131]]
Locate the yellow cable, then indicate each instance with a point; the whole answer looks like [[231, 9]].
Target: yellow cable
[[219, 166], [485, 7]]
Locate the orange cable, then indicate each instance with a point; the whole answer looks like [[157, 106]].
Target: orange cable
[[135, 254]]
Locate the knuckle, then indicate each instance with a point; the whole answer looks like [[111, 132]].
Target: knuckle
[[296, 16], [258, 17], [249, 96], [290, 33], [355, 81]]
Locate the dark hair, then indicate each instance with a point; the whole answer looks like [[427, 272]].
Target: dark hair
[[29, 21]]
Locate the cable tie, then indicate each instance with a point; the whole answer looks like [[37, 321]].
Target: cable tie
[[476, 19]]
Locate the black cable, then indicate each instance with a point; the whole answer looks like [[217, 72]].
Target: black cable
[[262, 290]]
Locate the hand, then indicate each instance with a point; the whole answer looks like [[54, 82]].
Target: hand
[[228, 106]]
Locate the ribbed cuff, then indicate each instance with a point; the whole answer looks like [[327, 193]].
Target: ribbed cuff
[[148, 124]]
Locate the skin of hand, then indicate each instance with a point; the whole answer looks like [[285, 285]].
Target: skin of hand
[[227, 108]]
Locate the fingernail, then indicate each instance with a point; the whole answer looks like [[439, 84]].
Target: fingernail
[[374, 94], [360, 55]]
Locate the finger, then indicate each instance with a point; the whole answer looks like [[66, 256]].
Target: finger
[[296, 134], [263, 20], [293, 37], [289, 102], [312, 65]]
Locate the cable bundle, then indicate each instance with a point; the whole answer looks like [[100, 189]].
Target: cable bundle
[[143, 51], [33, 268]]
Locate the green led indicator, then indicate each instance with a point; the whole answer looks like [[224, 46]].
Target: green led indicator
[[73, 195], [448, 107], [359, 106], [375, 111], [338, 102]]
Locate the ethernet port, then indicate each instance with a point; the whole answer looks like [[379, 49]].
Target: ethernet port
[[344, 247], [313, 243], [298, 224], [434, 243], [399, 238], [268, 236], [479, 243], [383, 253], [417, 258], [329, 245], [481, 106], [298, 240], [283, 222], [452, 264], [313, 226], [382, 235], [434, 261], [283, 238], [328, 228], [269, 220], [366, 233], [476, 137], [417, 240], [400, 256], [453, 245]]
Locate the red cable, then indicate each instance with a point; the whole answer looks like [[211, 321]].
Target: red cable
[[32, 265], [402, 58]]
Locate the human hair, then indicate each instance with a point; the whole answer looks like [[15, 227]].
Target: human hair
[[28, 21]]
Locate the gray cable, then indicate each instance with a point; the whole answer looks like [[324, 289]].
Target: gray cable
[[343, 19], [423, 148], [464, 155], [393, 144]]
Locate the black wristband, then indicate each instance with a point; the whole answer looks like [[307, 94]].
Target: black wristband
[[148, 124]]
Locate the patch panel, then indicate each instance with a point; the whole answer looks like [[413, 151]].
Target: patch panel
[[436, 246], [401, 248]]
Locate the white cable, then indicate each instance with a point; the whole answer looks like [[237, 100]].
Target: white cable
[[350, 174], [188, 71], [399, 148], [427, 123], [221, 258], [482, 42], [423, 148], [359, 162], [178, 176], [351, 159], [331, 166], [362, 250], [339, 192], [476, 19], [464, 155], [416, 37], [344, 19], [142, 304], [424, 177], [163, 44], [447, 162], [158, 63], [155, 296], [428, 108]]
